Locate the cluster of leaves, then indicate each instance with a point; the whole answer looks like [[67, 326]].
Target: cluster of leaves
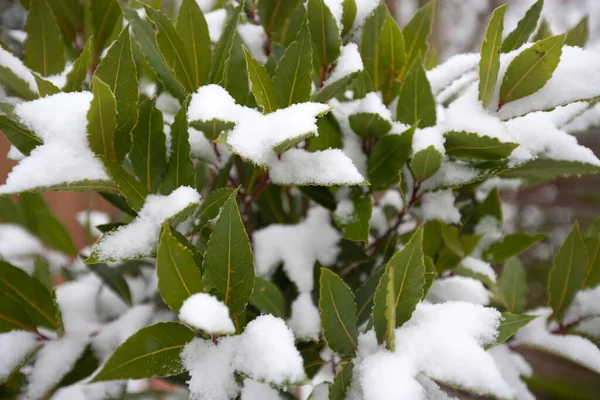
[[379, 276]]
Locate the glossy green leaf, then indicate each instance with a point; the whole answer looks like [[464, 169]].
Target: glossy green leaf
[[365, 295], [44, 52], [473, 146], [41, 272], [490, 206], [267, 297], [425, 163], [13, 316], [370, 46], [338, 313], [430, 274], [79, 72], [329, 136], [117, 69], [417, 103], [133, 190], [261, 84], [286, 34], [489, 64], [568, 273], [45, 88], [293, 75], [105, 16], [320, 194], [192, 28], [592, 244], [531, 69], [408, 281], [392, 58], [69, 17], [16, 86], [389, 155], [178, 275], [334, 89], [150, 352], [543, 169], [543, 31], [341, 382], [524, 29], [579, 34], [349, 11], [390, 309], [513, 285], [273, 13], [450, 235], [222, 178], [209, 209], [325, 35], [31, 295], [228, 264], [369, 125], [180, 168], [510, 246], [510, 324], [102, 121], [19, 135], [416, 34], [355, 226], [113, 279], [149, 150]]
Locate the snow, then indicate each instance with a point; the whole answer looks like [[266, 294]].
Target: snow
[[92, 218], [77, 302], [60, 121], [53, 362], [14, 347], [337, 10], [211, 369], [139, 238], [297, 247], [572, 347], [305, 321], [14, 154], [444, 74], [388, 377], [18, 247], [392, 198], [320, 392], [373, 104], [325, 167], [344, 211], [431, 136], [347, 63], [456, 87], [512, 366], [575, 78], [439, 206], [363, 9], [206, 5], [254, 37], [18, 68], [585, 121], [204, 311], [253, 390], [451, 173], [480, 267], [216, 23], [458, 288], [586, 304]]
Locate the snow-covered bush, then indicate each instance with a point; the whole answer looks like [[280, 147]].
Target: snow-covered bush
[[308, 206]]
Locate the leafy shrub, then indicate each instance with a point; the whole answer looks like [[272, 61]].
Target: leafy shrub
[[304, 197]]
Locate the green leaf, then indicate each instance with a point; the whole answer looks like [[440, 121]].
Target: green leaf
[[14, 85], [267, 297], [85, 365], [510, 246], [531, 69], [489, 64], [579, 34], [320, 194], [390, 309], [355, 226], [334, 88], [543, 169], [329, 135], [45, 88], [105, 16], [172, 48], [228, 264], [18, 135], [192, 29], [44, 52], [490, 206], [145, 37], [261, 84], [286, 34], [341, 382], [473, 146], [543, 31], [69, 17], [210, 207], [510, 324], [408, 281], [101, 119], [117, 69], [568, 273], [592, 244], [30, 294], [524, 28], [513, 285], [149, 150], [369, 125], [425, 163], [365, 294], [392, 57], [180, 168], [113, 279], [273, 13], [370, 46], [222, 178], [338, 314], [417, 103], [293, 75], [42, 272], [178, 275], [349, 11], [150, 352], [79, 72], [325, 35], [430, 274], [416, 33], [13, 316], [133, 190], [450, 234]]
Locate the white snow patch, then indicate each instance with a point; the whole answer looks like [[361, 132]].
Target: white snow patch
[[254, 37], [444, 74], [389, 377], [204, 311], [19, 247], [14, 347], [18, 68], [216, 23], [347, 63], [305, 321], [440, 206], [458, 288], [479, 266], [513, 366], [92, 218]]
